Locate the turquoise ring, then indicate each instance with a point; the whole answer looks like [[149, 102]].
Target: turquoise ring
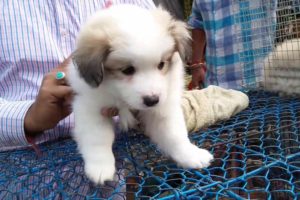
[[60, 75]]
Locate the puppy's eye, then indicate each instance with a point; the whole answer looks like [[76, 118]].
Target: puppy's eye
[[130, 70], [161, 65]]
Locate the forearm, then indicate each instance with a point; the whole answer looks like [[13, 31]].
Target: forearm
[[12, 130], [32, 127], [198, 57], [198, 45], [12, 116]]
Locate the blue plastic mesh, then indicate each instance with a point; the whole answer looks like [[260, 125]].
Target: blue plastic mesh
[[257, 156]]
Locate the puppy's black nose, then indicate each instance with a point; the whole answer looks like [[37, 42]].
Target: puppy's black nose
[[151, 100]]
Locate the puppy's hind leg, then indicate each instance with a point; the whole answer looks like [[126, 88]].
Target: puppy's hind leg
[[167, 129], [94, 135]]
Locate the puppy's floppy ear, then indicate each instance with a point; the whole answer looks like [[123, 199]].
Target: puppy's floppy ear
[[177, 29], [92, 50], [182, 38]]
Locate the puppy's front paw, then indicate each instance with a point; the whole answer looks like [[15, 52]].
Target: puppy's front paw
[[99, 172], [127, 120], [190, 156]]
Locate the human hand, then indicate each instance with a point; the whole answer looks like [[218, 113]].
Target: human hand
[[109, 112], [52, 103], [198, 77]]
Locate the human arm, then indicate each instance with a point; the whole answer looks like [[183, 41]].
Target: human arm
[[198, 57], [25, 61], [22, 117], [52, 104], [21, 120], [12, 114], [198, 45]]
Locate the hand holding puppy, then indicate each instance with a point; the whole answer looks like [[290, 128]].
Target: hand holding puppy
[[53, 103]]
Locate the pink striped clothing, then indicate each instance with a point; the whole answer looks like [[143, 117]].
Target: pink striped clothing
[[35, 36]]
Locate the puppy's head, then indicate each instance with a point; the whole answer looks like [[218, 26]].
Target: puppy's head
[[132, 52]]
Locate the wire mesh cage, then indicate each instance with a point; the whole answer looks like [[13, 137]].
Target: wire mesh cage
[[257, 152], [257, 156], [282, 70], [270, 50]]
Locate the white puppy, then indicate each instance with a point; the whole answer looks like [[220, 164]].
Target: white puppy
[[128, 57], [282, 68]]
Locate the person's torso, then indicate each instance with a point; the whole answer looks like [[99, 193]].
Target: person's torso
[[35, 36]]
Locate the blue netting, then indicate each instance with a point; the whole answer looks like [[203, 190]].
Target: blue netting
[[257, 156]]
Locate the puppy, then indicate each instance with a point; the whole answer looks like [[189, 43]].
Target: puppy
[[282, 68], [128, 57]]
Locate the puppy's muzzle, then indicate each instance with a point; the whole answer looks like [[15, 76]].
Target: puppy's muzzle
[[151, 100]]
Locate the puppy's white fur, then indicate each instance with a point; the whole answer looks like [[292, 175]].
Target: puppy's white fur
[[282, 68], [124, 36]]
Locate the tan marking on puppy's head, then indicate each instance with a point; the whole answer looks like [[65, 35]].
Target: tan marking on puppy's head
[[177, 29], [92, 49]]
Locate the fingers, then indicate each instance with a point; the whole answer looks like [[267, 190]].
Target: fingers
[[62, 67], [196, 82], [66, 111], [64, 64], [54, 87], [50, 78], [65, 94], [69, 99], [62, 91], [109, 112], [198, 76]]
